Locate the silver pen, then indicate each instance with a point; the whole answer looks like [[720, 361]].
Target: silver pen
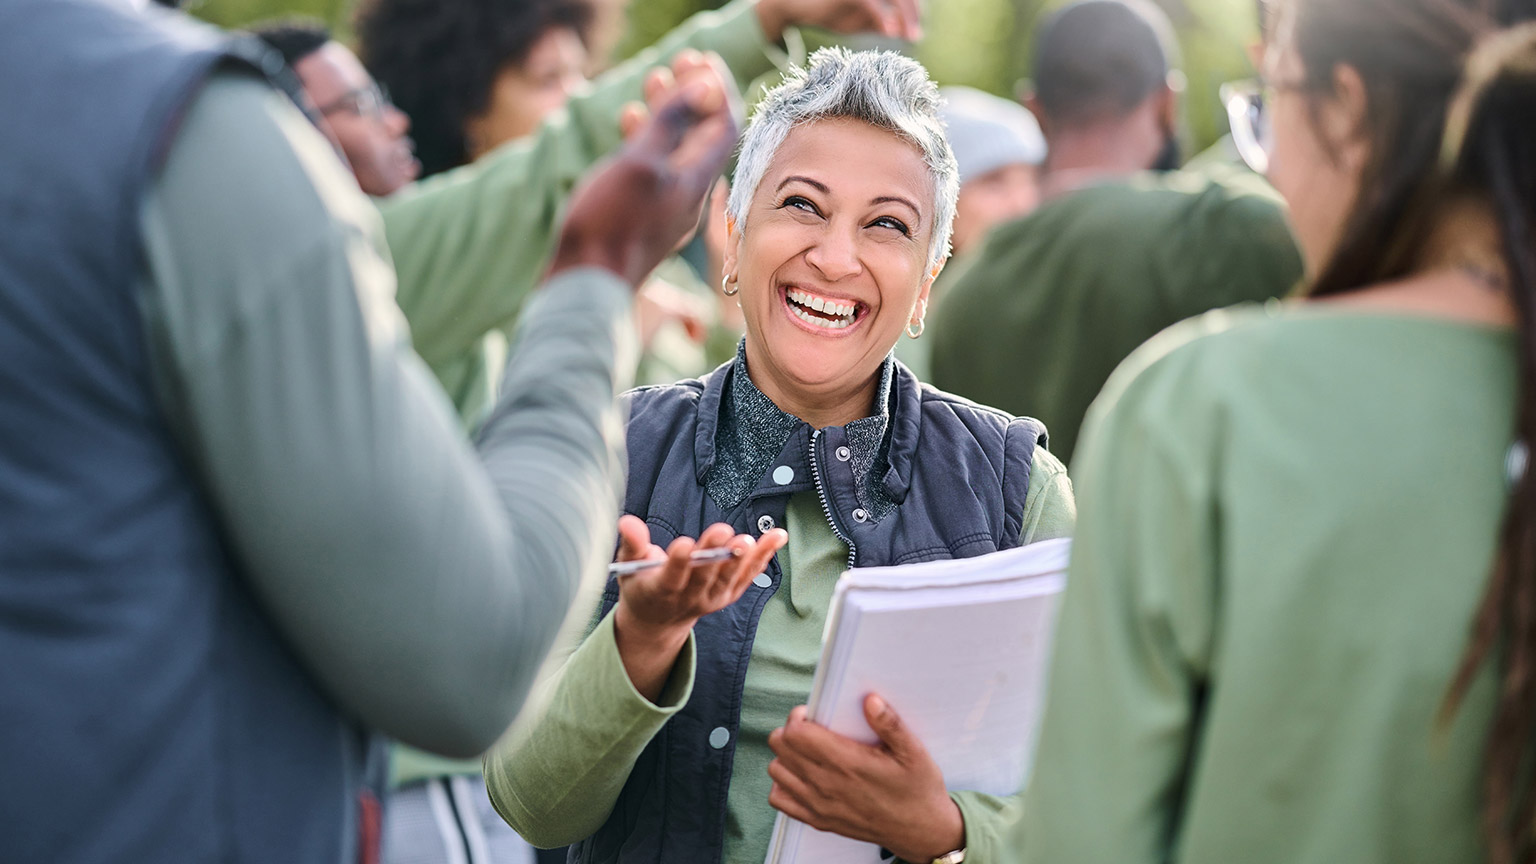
[[702, 556]]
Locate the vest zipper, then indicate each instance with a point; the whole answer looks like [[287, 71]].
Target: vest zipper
[[826, 506]]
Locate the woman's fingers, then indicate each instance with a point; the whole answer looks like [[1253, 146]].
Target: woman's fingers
[[634, 539], [784, 801], [690, 589], [756, 555], [675, 576], [792, 786]]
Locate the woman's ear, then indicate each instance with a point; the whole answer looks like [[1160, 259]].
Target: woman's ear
[[933, 273], [920, 307], [731, 255], [1345, 117]]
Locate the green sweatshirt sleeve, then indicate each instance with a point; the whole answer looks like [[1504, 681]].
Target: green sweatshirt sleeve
[[556, 777], [469, 244], [1050, 511], [1136, 636], [420, 583]]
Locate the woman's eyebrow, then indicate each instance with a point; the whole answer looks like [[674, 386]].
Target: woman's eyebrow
[[818, 185], [897, 199]]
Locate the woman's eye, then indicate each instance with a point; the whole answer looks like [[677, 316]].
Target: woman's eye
[[798, 203], [894, 224]]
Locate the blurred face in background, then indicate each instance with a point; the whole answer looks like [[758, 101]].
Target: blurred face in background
[[525, 93], [370, 130], [1000, 195], [1317, 153]]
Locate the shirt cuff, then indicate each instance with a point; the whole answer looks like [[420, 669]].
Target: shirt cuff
[[605, 669], [990, 822]]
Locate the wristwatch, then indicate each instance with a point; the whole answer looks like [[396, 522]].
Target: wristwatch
[[954, 857]]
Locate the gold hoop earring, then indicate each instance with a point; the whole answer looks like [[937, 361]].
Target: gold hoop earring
[[920, 327], [725, 286]]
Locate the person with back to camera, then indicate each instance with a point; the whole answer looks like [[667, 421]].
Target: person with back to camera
[[1121, 246], [240, 532], [660, 729], [1299, 619]]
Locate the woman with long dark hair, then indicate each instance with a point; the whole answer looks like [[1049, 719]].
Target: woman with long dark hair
[[1301, 620]]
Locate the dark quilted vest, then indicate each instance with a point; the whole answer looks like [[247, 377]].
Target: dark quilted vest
[[150, 712], [959, 474]]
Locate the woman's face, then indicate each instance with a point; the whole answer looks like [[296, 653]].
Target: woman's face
[[832, 261], [525, 93], [1317, 152]]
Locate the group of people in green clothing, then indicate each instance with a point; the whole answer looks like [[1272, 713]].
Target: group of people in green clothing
[[1301, 609], [1242, 556]]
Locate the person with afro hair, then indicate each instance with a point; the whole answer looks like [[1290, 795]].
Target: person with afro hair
[[473, 74]]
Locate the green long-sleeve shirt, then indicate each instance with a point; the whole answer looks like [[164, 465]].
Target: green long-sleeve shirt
[[1287, 521], [470, 244], [419, 582], [557, 778]]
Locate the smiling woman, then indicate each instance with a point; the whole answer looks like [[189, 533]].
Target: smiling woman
[[660, 740], [833, 261]]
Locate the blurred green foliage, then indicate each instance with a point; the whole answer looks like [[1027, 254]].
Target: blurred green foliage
[[982, 43]]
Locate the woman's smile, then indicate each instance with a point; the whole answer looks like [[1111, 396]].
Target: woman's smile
[[822, 314]]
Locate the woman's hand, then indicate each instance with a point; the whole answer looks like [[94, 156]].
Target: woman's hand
[[658, 607], [891, 793]]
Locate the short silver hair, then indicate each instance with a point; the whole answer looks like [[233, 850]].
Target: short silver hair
[[881, 88]]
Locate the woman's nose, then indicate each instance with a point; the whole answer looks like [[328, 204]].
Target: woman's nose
[[836, 255]]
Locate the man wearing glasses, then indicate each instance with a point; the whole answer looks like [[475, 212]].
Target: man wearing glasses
[[352, 110]]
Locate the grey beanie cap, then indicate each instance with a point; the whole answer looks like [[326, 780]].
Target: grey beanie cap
[[987, 132]]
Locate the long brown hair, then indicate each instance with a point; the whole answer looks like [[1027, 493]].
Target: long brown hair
[[1451, 112]]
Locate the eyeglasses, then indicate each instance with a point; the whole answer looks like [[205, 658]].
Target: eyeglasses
[[371, 101], [1248, 104]]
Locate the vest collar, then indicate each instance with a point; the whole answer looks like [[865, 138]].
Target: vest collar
[[741, 432]]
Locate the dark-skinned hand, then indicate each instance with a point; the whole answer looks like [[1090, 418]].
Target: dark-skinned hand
[[891, 793], [631, 211], [658, 607]]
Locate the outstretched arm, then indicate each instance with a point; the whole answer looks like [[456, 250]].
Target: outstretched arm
[[420, 588]]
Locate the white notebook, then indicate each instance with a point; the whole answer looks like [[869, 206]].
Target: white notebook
[[959, 649]]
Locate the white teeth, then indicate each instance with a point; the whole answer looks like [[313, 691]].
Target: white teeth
[[799, 299], [821, 322]]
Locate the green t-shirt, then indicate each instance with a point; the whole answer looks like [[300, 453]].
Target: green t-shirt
[[1050, 303], [1287, 518]]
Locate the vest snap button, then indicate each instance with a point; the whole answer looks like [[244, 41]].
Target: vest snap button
[[783, 475], [764, 524], [762, 580], [844, 454], [861, 515], [719, 737]]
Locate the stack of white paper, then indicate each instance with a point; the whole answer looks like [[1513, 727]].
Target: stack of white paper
[[959, 649]]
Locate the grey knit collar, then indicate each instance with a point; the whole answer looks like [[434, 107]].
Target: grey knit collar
[[752, 431]]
